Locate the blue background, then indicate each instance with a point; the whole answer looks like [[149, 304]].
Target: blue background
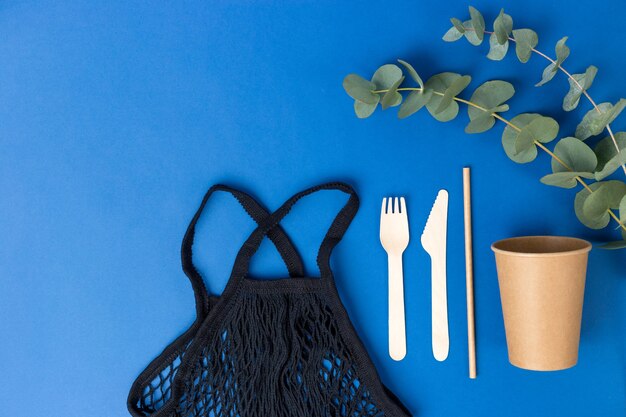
[[116, 116]]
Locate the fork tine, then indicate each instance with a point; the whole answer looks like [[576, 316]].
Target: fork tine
[[389, 205], [382, 209], [396, 206], [402, 206]]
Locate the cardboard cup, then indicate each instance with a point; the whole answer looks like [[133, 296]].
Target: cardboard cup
[[542, 284]]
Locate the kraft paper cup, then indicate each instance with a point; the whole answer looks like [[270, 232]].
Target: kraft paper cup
[[542, 284]]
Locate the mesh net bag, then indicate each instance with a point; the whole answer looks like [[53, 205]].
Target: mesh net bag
[[279, 348]]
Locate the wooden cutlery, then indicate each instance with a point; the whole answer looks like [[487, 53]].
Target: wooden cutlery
[[434, 240], [394, 237]]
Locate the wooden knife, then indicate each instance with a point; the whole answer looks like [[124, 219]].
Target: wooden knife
[[434, 240]]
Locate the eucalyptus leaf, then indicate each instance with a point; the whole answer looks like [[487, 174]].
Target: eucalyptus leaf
[[543, 129], [360, 89], [497, 51], [499, 109], [571, 100], [576, 155], [490, 96], [413, 102], [502, 27], [509, 138], [440, 84], [607, 195], [456, 87], [470, 34], [478, 22], [605, 149], [591, 222], [412, 73], [364, 110], [452, 35], [525, 41], [386, 76], [548, 73], [564, 179], [562, 51], [458, 24], [594, 122], [391, 96], [480, 124], [611, 165]]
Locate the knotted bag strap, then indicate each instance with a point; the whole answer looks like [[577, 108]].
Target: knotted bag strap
[[333, 236], [261, 216]]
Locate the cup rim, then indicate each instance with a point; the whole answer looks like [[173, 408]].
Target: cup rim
[[586, 246]]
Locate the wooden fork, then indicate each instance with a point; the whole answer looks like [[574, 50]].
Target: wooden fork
[[394, 236]]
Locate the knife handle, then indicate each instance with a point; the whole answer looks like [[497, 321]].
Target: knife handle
[[441, 340], [397, 328]]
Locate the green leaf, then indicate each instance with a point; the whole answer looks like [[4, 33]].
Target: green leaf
[[606, 196], [452, 91], [594, 122], [620, 244], [576, 155], [605, 149], [452, 35], [458, 24], [579, 201], [490, 96], [502, 27], [548, 73], [509, 138], [611, 165], [386, 76], [391, 96], [470, 34], [564, 179], [525, 41], [364, 110], [497, 51], [478, 22], [412, 73], [571, 100], [440, 84], [480, 124], [413, 102], [360, 89], [542, 129], [562, 51]]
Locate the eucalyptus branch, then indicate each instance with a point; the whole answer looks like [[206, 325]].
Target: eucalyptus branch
[[573, 161], [573, 81], [526, 41]]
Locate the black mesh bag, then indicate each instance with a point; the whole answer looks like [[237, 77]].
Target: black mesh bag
[[267, 348]]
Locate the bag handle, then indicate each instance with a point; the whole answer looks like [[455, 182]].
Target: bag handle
[[333, 236], [261, 216]]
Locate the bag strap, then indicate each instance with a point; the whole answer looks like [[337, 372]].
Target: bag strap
[[261, 216], [333, 236]]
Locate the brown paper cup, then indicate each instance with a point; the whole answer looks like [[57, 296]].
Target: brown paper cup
[[542, 283]]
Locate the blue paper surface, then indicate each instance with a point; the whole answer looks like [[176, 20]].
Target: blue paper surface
[[115, 117]]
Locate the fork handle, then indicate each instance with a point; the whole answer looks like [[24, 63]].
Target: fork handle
[[397, 328]]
